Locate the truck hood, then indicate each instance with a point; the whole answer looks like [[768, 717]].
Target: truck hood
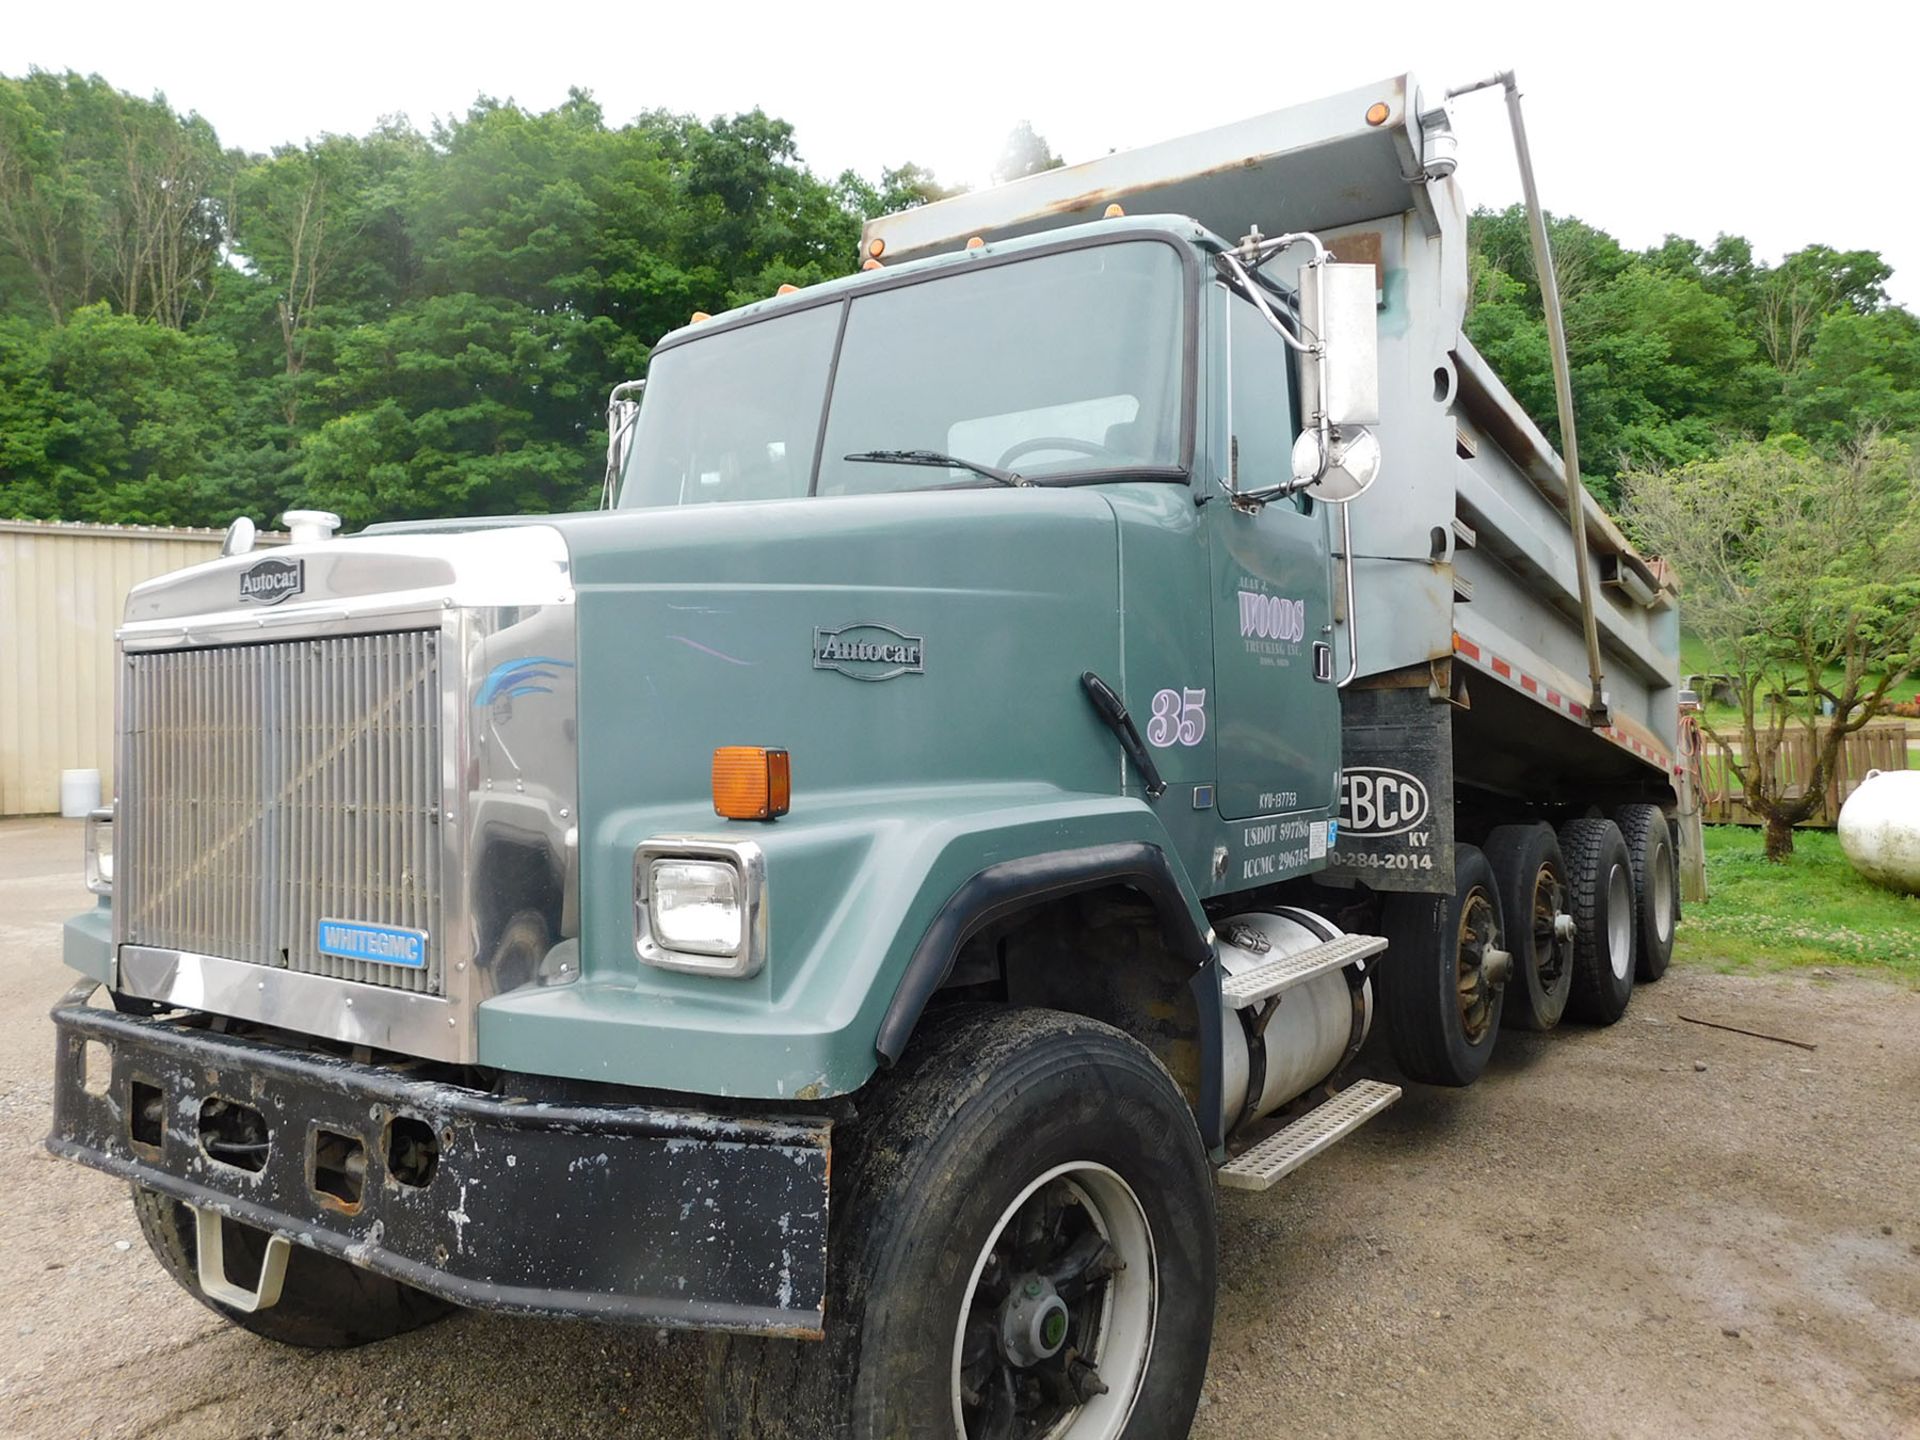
[[916, 638]]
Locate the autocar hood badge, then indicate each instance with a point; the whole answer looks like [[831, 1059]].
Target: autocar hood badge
[[268, 582], [869, 651]]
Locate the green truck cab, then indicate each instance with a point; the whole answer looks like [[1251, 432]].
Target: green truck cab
[[855, 892]]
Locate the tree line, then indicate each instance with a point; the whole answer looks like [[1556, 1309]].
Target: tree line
[[1681, 351], [408, 323]]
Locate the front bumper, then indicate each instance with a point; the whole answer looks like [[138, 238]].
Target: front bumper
[[623, 1212]]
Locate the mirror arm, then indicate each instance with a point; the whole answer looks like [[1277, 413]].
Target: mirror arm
[[623, 411], [1244, 279], [1352, 615], [1260, 251]]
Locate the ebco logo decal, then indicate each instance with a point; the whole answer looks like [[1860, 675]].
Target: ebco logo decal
[[869, 652], [268, 582], [1377, 802]]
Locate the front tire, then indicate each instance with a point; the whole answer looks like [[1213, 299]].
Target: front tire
[[325, 1303], [1438, 996], [981, 1202]]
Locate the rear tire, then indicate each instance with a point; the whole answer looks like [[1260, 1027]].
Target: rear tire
[[953, 1193], [1440, 1012], [1656, 887], [1532, 878], [325, 1304], [1600, 883]]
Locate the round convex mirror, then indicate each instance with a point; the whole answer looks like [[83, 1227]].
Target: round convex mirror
[[1352, 466]]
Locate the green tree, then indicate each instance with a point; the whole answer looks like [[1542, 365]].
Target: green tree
[[106, 196], [397, 324], [904, 187], [1860, 370], [112, 417], [460, 404], [1802, 577], [1792, 300]]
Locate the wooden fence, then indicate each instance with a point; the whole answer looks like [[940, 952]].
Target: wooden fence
[[1881, 746]]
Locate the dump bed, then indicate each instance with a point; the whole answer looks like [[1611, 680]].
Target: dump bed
[[1463, 547]]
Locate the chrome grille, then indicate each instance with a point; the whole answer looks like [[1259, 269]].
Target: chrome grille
[[266, 787]]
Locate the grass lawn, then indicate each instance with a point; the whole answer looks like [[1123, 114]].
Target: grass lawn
[[1814, 910]]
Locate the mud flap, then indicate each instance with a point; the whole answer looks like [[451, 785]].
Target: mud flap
[[1396, 790]]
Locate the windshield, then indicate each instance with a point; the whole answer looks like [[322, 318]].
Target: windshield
[[1061, 367]]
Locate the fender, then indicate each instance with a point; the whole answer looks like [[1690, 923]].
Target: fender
[[856, 883], [1012, 885]]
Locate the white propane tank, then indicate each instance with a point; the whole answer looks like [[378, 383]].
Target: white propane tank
[[1309, 1034], [1880, 829]]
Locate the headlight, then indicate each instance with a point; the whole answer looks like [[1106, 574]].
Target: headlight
[[99, 850], [699, 905], [695, 906]]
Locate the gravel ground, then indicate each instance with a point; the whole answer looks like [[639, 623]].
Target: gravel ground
[[1651, 1230]]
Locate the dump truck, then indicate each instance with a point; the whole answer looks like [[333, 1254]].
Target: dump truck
[[1024, 711]]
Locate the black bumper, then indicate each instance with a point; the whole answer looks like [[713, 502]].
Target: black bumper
[[601, 1211]]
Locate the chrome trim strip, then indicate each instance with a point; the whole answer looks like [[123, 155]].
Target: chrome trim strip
[[423, 1025]]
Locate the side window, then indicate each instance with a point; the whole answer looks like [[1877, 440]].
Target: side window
[[1260, 400]]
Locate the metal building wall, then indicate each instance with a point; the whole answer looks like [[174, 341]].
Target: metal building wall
[[62, 590]]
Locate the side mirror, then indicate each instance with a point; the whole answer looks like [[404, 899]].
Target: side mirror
[[623, 408], [1337, 309], [1337, 457]]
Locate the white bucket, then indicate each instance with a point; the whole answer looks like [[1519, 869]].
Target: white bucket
[[79, 793]]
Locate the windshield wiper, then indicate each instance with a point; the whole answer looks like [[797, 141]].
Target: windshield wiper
[[935, 458]]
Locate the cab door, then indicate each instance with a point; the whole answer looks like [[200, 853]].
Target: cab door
[[1276, 707]]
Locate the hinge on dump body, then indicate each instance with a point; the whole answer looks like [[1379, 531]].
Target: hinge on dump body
[[1437, 677]]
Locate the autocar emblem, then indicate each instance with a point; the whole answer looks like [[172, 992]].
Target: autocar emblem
[[268, 582], [869, 651]]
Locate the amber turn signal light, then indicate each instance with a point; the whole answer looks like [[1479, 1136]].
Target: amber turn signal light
[[751, 782]]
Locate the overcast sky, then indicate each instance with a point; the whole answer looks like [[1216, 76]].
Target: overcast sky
[[1784, 124]]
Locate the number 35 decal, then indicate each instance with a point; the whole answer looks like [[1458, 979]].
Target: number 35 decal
[[1178, 715]]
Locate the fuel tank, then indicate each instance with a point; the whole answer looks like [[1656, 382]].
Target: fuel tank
[[1316, 1027], [1880, 829]]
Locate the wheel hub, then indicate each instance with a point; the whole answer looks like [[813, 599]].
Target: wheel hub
[[1033, 1321], [1481, 966], [1054, 1333]]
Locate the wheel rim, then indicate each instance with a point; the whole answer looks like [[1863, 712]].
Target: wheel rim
[[1479, 933], [1057, 1320], [1663, 893], [1619, 921], [1549, 950]]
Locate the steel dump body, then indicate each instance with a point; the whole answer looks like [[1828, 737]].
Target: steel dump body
[[1463, 550]]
